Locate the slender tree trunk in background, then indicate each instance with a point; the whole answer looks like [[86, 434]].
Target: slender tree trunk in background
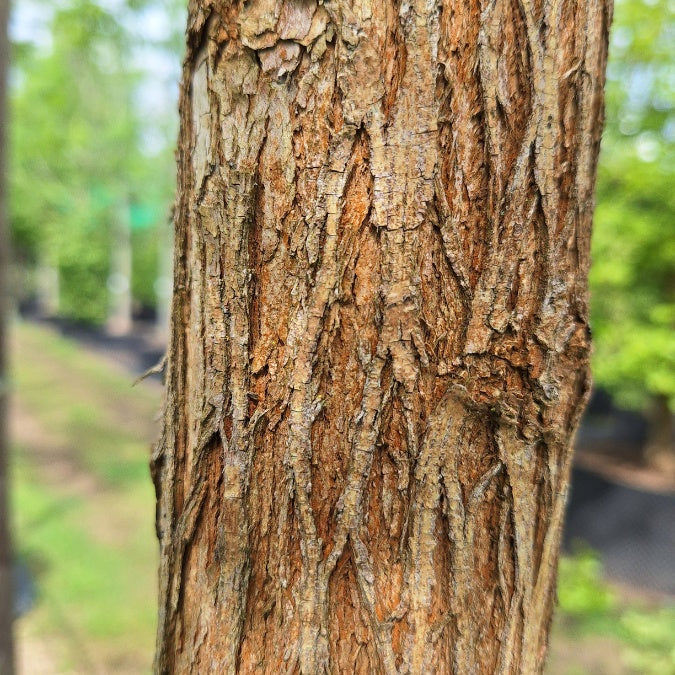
[[48, 283], [119, 281], [379, 346], [6, 593], [660, 446]]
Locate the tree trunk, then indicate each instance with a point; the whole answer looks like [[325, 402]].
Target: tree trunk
[[659, 447], [47, 286], [379, 346], [6, 591], [119, 280]]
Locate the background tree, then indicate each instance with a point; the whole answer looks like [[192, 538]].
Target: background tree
[[103, 166], [6, 590], [380, 343], [632, 280]]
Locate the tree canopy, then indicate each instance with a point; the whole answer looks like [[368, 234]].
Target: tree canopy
[[89, 147], [632, 277]]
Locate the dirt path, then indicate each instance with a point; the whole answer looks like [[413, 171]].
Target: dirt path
[[61, 463], [33, 655], [51, 459], [40, 654]]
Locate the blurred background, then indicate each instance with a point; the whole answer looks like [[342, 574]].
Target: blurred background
[[92, 98]]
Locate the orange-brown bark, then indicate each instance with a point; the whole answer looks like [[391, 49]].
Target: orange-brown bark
[[379, 347]]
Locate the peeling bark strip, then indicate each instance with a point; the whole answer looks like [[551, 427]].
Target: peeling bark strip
[[379, 348]]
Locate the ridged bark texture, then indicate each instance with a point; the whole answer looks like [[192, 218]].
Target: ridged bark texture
[[379, 347]]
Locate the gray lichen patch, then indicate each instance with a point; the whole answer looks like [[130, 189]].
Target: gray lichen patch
[[281, 59], [265, 23], [257, 21], [295, 19], [201, 119], [317, 27]]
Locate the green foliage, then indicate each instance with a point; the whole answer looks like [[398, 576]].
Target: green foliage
[[632, 287], [651, 647], [77, 155], [580, 590], [589, 607]]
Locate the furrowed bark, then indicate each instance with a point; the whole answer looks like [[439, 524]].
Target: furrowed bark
[[379, 346]]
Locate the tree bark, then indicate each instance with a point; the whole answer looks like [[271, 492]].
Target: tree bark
[[6, 587], [379, 346]]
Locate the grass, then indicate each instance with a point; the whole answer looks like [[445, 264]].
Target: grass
[[85, 403], [588, 607], [83, 504]]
